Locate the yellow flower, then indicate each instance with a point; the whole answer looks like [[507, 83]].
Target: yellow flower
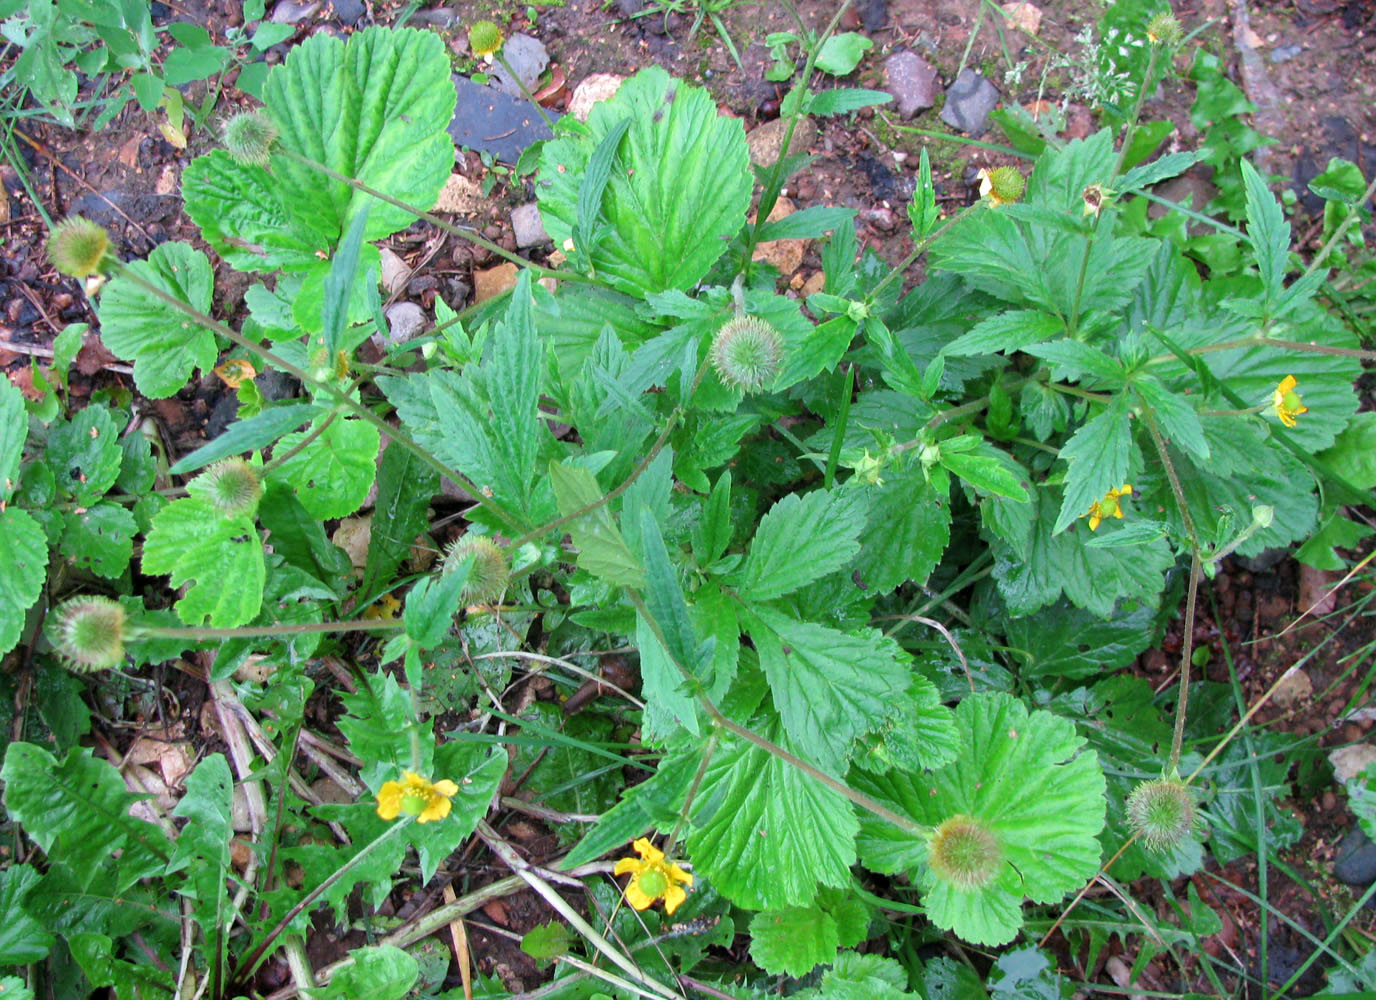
[[415, 796], [1287, 402], [653, 878], [1107, 507]]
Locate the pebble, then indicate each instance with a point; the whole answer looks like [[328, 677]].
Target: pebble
[[1285, 53], [1293, 688], [462, 197], [1355, 860], [290, 11], [493, 281], [526, 223], [1026, 16], [394, 272], [1328, 801], [767, 139], [405, 321], [348, 12], [968, 103], [874, 14], [527, 58], [912, 82]]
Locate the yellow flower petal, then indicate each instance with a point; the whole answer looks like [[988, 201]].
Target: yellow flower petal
[[389, 800], [673, 898], [637, 898], [628, 865]]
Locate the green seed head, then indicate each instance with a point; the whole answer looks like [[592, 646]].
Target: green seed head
[[1165, 30], [1005, 184], [78, 247], [248, 137], [746, 353], [964, 853], [1161, 812], [231, 486], [484, 39], [88, 632], [488, 576]]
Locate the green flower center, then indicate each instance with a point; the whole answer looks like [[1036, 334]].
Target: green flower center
[[654, 883], [1108, 507], [1291, 401], [413, 803]]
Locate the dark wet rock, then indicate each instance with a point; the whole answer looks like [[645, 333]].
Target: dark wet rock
[[348, 12], [1355, 860], [874, 14], [292, 11], [630, 8], [275, 386], [438, 17], [912, 82], [527, 58], [968, 103], [1263, 561], [885, 185], [486, 119]]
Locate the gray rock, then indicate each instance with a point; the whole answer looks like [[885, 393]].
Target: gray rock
[[348, 11], [1355, 860], [488, 120], [405, 321], [274, 385], [912, 82], [874, 14], [438, 17], [291, 11], [395, 272], [968, 103], [525, 55], [529, 229], [1285, 53]]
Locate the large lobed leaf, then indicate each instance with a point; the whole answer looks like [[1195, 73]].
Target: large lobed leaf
[[678, 189], [23, 567], [219, 558]]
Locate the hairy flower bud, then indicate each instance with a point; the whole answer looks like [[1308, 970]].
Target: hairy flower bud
[[488, 575], [88, 632], [78, 247], [746, 353], [1164, 29], [231, 486], [1161, 812], [248, 137], [963, 852]]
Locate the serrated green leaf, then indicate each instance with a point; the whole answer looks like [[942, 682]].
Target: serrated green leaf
[[77, 809], [1179, 420], [809, 224], [512, 374], [546, 942], [922, 210], [829, 687], [300, 539], [1267, 231], [478, 771], [332, 473], [203, 550], [203, 847], [1027, 780], [375, 109], [377, 972], [1098, 454], [1353, 453], [862, 977], [405, 486], [1070, 642], [433, 603], [340, 285], [679, 191], [99, 539], [907, 527], [602, 550], [763, 832], [165, 344], [14, 430], [918, 732], [984, 471], [842, 52], [137, 468], [96, 955], [23, 568], [22, 938], [256, 432], [801, 539], [1008, 332], [841, 100], [84, 454], [385, 749], [1073, 361], [793, 941], [1160, 169]]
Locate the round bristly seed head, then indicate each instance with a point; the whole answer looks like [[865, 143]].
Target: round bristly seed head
[[488, 575], [231, 486], [485, 39], [1165, 30], [1161, 812], [746, 353], [248, 137], [963, 852], [78, 247], [89, 633]]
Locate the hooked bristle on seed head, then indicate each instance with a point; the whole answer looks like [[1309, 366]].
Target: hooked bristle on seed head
[[1164, 29], [78, 247], [964, 852], [1161, 813], [746, 353], [88, 633], [248, 137], [232, 486], [488, 575]]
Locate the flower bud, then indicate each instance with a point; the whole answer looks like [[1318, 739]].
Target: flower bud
[[963, 852], [746, 353], [88, 632], [488, 575], [231, 486], [78, 247], [248, 137], [1164, 29], [1161, 813]]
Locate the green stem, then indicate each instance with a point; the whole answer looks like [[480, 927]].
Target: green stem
[[1287, 345], [525, 91], [1353, 217], [845, 388], [259, 631], [341, 398]]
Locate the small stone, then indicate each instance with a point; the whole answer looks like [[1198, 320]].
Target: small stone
[[1317, 591], [1026, 16], [912, 82], [1285, 53], [1293, 687], [353, 535], [292, 12], [1355, 860], [394, 272], [275, 386], [493, 281], [527, 225], [785, 255], [527, 57], [968, 103], [1350, 761], [1328, 801], [462, 197], [347, 12], [594, 89], [405, 321], [630, 8], [766, 140], [814, 284], [874, 14]]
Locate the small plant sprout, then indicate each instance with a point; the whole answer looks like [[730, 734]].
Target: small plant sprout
[[1161, 812], [79, 248], [89, 633], [746, 353], [1286, 401], [248, 137], [652, 878], [413, 795]]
